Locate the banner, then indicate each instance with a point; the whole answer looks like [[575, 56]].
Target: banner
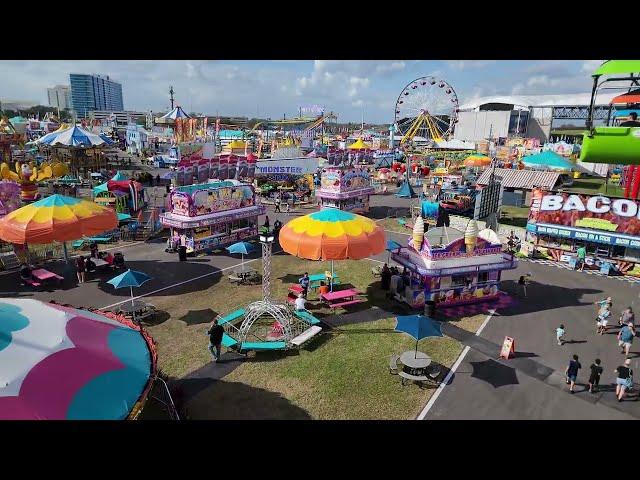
[[223, 170], [214, 167], [597, 218], [295, 166], [233, 167]]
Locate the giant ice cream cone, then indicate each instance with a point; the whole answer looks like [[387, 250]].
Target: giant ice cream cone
[[418, 233], [471, 235]]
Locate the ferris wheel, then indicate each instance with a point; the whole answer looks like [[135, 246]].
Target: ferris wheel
[[427, 107]]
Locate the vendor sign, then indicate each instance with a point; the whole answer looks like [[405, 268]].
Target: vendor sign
[[595, 218], [295, 166]]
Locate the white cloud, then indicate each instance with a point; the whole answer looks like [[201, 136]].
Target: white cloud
[[590, 66], [465, 64]]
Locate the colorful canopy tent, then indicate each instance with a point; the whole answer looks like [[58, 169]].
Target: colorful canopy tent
[[177, 112], [627, 98], [62, 363], [359, 145], [548, 161], [56, 219], [406, 191], [72, 137], [477, 161], [119, 176], [332, 234]]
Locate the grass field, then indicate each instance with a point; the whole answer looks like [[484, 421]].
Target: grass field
[[594, 186], [341, 374], [391, 224]]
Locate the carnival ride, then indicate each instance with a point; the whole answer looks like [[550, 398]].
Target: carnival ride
[[427, 108], [265, 325], [27, 175], [609, 144]]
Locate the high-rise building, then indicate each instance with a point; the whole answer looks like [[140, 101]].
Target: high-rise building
[[59, 96], [94, 92]]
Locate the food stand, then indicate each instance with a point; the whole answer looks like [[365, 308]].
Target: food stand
[[345, 188], [209, 216], [608, 227], [450, 267]]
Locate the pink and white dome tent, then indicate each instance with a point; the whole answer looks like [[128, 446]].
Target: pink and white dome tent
[[59, 362]]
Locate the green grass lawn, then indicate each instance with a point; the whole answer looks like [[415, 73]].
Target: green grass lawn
[[593, 186], [391, 224], [516, 216], [341, 374]]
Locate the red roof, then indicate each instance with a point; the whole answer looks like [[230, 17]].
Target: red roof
[[631, 97]]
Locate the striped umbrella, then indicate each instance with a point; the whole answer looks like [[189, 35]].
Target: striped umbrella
[[72, 137]]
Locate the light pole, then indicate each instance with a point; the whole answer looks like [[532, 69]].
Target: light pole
[[267, 241]]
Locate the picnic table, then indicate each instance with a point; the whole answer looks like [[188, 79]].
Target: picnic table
[[415, 360], [316, 278], [341, 298], [137, 308], [294, 291], [42, 275]]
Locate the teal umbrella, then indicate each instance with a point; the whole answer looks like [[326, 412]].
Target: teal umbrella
[[130, 279], [419, 327]]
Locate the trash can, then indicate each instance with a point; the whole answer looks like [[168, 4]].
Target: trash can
[[429, 308], [182, 253]]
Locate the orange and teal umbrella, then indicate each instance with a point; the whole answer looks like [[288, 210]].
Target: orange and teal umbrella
[[56, 219], [332, 234]]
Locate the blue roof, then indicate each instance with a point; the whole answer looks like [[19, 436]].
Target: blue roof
[[204, 186]]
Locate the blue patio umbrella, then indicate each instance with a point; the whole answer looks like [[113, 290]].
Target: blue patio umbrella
[[392, 245], [243, 248], [419, 327], [130, 279]]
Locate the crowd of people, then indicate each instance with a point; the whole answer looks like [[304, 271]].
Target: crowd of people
[[625, 337]]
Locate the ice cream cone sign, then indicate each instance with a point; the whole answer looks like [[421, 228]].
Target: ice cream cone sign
[[471, 235], [418, 233]]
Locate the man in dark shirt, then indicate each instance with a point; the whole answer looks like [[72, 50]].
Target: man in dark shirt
[[215, 339], [632, 122], [594, 377], [572, 372], [624, 381]]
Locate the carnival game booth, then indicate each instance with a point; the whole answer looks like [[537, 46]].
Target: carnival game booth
[[608, 227], [345, 188], [450, 267], [124, 196], [208, 216]]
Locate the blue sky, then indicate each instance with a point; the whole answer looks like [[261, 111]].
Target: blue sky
[[273, 88]]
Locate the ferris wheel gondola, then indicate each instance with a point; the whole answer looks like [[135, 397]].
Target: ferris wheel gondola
[[426, 108]]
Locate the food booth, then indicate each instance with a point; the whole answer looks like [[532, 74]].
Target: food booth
[[345, 188], [208, 216], [608, 227], [450, 267]]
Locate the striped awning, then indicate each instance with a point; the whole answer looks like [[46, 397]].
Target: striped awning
[[521, 179]]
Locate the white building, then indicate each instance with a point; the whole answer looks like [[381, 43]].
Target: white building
[[59, 97], [137, 138]]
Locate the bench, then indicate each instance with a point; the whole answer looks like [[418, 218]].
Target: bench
[[231, 316], [306, 335], [416, 378], [393, 364], [307, 317], [31, 282], [344, 304], [228, 341], [235, 279], [263, 346]]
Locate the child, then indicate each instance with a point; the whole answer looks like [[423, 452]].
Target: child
[[572, 372], [603, 318], [594, 378], [560, 335]]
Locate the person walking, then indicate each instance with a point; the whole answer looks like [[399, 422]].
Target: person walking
[[276, 203], [288, 207], [304, 283], [560, 335], [594, 377], [625, 338], [572, 372], [624, 380], [627, 317], [603, 315], [80, 269], [582, 256], [523, 281], [215, 333]]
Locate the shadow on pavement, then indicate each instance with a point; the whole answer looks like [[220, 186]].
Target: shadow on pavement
[[196, 317], [542, 297], [164, 274]]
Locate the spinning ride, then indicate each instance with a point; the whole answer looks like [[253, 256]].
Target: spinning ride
[[426, 109]]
